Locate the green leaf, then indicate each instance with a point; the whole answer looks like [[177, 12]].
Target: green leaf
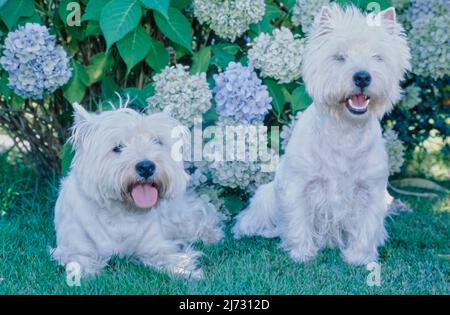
[[233, 203], [17, 102], [370, 5], [92, 29], [66, 155], [262, 26], [421, 183], [162, 6], [4, 89], [148, 90], [300, 99], [276, 93], [158, 57], [134, 47], [231, 49], [109, 87], [272, 12], [177, 27], [118, 18], [93, 10], [200, 60], [15, 9], [99, 65], [137, 97], [221, 58], [75, 89], [2, 3], [180, 4], [35, 18]]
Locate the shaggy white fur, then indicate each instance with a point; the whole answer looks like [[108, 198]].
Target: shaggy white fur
[[110, 204], [330, 186]]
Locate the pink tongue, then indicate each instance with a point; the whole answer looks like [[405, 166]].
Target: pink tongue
[[358, 100], [144, 195]]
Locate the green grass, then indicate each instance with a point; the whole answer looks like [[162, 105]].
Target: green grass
[[410, 262]]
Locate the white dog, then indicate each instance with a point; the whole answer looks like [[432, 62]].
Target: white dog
[[126, 195], [330, 187]]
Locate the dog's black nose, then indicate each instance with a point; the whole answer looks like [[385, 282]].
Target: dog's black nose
[[145, 168], [362, 79]]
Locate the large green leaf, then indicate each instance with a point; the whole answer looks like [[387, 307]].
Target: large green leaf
[[177, 27], [180, 4], [300, 99], [221, 56], [158, 57], [15, 9], [93, 10], [99, 65], [2, 3], [200, 60], [118, 18], [75, 89], [134, 47], [273, 12], [162, 6], [276, 93], [109, 87]]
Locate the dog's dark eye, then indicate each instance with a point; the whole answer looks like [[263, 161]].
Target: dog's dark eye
[[118, 148], [378, 58], [339, 57], [156, 140]]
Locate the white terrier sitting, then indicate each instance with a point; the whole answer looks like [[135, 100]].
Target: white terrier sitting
[[125, 195], [330, 187]]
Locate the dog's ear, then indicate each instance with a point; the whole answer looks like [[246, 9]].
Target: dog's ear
[[322, 22], [389, 20], [81, 125], [79, 113], [389, 15]]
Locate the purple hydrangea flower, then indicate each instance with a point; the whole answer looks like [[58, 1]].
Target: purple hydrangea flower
[[35, 64], [240, 94]]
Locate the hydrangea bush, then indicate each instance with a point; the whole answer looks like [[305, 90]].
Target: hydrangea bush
[[227, 62]]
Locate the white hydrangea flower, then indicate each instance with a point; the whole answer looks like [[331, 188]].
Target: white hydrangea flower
[[411, 98], [305, 11], [429, 40], [395, 149], [278, 55], [229, 18], [180, 94], [286, 130], [245, 174]]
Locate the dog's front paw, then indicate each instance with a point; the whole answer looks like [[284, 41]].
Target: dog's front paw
[[359, 257], [301, 256], [212, 235], [185, 264], [196, 274]]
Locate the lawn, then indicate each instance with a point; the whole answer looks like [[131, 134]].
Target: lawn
[[410, 262]]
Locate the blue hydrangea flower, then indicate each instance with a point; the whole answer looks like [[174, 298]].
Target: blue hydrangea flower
[[421, 8], [240, 94], [35, 64]]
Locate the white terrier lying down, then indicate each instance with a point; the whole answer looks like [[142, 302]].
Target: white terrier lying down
[[330, 187], [125, 195]]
